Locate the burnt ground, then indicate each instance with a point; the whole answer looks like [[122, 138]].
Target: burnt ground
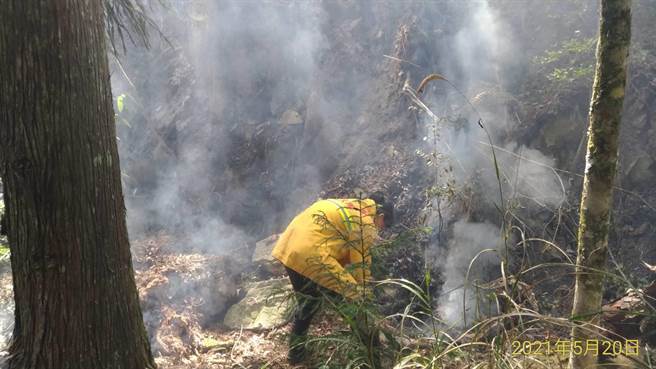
[[267, 162]]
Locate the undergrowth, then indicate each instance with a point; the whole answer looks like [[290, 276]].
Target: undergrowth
[[512, 333], [517, 336]]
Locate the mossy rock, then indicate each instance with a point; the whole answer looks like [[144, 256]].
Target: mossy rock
[[267, 304]]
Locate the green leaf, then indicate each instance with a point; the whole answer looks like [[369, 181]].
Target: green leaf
[[119, 102]]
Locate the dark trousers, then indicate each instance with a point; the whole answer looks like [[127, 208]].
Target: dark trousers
[[309, 296]]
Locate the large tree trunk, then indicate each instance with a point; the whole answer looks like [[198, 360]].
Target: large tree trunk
[[76, 300], [601, 162]]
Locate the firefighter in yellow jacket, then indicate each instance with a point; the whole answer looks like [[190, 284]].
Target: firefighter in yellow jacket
[[326, 250]]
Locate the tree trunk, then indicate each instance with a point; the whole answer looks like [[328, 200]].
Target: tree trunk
[[601, 161], [76, 301]]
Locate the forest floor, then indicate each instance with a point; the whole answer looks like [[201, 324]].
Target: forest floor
[[225, 348], [176, 289]]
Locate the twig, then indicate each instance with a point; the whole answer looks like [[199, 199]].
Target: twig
[[401, 60], [120, 67]]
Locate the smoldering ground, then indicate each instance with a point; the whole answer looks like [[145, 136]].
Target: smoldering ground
[[235, 122], [247, 130], [482, 50], [207, 145]]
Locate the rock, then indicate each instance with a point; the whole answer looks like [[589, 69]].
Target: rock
[[290, 117], [263, 249], [265, 264], [267, 305]]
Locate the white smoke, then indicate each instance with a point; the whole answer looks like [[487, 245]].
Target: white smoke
[[482, 47], [468, 242], [233, 68], [246, 63]]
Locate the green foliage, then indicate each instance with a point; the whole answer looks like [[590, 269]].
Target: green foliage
[[388, 252], [572, 60], [119, 102], [360, 346], [566, 50], [120, 106], [571, 74], [447, 190], [415, 337]]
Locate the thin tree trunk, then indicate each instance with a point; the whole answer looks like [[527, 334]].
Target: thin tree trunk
[[76, 301], [601, 162]]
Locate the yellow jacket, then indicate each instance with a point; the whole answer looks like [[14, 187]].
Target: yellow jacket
[[330, 242]]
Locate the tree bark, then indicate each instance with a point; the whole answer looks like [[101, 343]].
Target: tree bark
[[76, 301], [601, 162]]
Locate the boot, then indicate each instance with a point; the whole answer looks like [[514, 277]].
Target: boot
[[296, 349]]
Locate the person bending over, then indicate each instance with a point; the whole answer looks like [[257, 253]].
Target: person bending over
[[326, 251]]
